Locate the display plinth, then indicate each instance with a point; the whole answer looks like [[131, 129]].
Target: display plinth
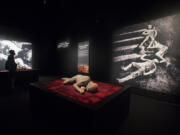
[[55, 112], [22, 76]]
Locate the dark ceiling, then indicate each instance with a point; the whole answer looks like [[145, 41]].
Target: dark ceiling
[[36, 15]]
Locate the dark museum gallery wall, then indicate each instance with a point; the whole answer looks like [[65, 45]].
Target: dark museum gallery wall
[[99, 50], [98, 28], [34, 21], [48, 24]]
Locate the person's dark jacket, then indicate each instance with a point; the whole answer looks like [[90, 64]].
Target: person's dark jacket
[[10, 64]]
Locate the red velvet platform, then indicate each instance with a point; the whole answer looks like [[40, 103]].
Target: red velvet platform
[[18, 70], [104, 90]]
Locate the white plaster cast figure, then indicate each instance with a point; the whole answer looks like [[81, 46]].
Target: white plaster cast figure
[[81, 83]]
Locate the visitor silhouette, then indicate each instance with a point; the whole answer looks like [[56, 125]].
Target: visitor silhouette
[[11, 66]]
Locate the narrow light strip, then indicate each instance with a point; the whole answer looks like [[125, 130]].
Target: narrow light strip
[[137, 31], [129, 39], [126, 47], [126, 57]]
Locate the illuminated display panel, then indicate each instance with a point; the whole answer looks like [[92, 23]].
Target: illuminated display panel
[[146, 55], [83, 57], [64, 44], [23, 53]]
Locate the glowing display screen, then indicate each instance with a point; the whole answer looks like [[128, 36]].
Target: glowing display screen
[[83, 57], [23, 53], [64, 44]]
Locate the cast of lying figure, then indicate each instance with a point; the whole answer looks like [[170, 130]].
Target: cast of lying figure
[[81, 83], [143, 68]]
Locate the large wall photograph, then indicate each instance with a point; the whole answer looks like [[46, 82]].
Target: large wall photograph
[[146, 55], [23, 51]]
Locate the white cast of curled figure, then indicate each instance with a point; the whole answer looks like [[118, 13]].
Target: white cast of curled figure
[[143, 68], [21, 64], [81, 83]]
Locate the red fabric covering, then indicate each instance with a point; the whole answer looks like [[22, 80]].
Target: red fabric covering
[[104, 90], [18, 70]]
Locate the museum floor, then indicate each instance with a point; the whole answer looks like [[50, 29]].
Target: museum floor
[[147, 116]]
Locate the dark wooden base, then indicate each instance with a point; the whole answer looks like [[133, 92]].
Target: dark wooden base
[[55, 115]]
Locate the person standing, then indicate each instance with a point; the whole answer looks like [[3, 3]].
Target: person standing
[[11, 66]]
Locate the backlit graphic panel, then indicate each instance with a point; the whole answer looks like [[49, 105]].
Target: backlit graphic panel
[[83, 57], [64, 44], [23, 51], [146, 55]]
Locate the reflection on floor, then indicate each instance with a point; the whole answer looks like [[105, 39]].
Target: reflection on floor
[[147, 116]]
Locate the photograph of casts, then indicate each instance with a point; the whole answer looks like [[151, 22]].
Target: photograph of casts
[[146, 55], [23, 53], [83, 57]]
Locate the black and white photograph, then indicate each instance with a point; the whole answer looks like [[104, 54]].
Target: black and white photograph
[[83, 56], [145, 55], [23, 53]]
